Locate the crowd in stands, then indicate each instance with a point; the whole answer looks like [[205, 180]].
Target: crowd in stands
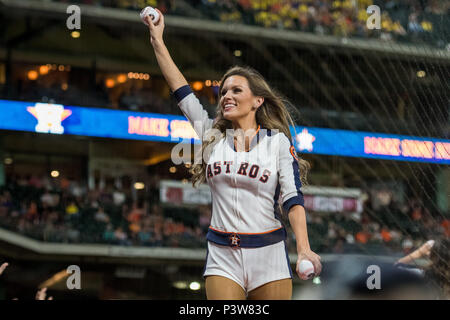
[[59, 210], [65, 211], [387, 229], [401, 20]]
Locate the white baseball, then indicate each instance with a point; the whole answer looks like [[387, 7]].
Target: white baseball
[[306, 269], [149, 11]]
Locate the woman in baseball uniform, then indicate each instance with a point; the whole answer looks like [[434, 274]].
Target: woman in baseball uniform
[[254, 175]]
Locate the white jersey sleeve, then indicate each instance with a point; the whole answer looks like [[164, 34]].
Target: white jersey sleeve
[[193, 110], [289, 175]]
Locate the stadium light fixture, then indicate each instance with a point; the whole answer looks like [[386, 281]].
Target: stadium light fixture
[[109, 83], [180, 285], [43, 69], [54, 173], [194, 286], [121, 78], [32, 75], [139, 185], [421, 74], [197, 85]]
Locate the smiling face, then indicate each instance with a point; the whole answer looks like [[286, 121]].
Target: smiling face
[[236, 98]]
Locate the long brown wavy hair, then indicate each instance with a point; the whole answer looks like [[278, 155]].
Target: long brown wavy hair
[[272, 114]]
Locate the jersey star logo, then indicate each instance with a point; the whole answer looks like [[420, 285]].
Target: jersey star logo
[[305, 140], [235, 240]]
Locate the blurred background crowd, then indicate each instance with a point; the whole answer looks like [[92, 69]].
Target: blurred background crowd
[[89, 188], [417, 21], [61, 210]]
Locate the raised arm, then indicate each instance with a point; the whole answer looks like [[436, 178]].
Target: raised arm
[[423, 251], [171, 73], [187, 101]]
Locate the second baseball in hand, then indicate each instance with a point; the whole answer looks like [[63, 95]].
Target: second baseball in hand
[[149, 11], [306, 269]]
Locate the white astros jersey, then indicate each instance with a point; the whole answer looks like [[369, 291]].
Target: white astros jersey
[[246, 186]]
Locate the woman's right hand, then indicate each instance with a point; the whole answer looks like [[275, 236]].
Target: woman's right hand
[[156, 30]]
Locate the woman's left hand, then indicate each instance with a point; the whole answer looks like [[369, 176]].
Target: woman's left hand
[[311, 256]]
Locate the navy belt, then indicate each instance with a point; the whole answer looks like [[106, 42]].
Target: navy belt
[[246, 240]]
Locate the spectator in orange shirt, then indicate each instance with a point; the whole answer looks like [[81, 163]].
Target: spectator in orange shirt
[[169, 228], [135, 228], [245, 4], [179, 228], [446, 225], [385, 234], [416, 213], [32, 211], [363, 236], [135, 214]]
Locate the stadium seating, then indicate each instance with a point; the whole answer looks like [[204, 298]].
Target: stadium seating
[[27, 209], [412, 21]]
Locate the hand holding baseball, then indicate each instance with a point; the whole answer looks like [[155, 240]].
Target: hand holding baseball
[[149, 12], [313, 258], [156, 29]]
